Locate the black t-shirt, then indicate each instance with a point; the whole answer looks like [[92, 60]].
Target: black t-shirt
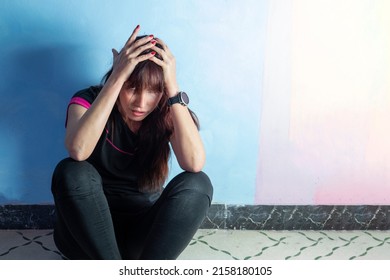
[[114, 155]]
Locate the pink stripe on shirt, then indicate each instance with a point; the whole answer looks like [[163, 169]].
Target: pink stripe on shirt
[[79, 101], [115, 147]]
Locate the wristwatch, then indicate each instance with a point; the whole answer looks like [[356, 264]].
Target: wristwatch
[[181, 98]]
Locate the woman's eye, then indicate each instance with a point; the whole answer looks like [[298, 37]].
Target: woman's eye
[[130, 91], [154, 92]]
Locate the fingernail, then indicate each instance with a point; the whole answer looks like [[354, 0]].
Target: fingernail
[[153, 53], [151, 36], [153, 42]]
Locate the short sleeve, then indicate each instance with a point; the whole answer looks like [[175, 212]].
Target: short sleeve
[[83, 98]]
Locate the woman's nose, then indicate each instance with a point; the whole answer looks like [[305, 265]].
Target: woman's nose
[[140, 100]]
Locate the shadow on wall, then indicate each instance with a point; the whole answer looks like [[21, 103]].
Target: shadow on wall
[[38, 80]]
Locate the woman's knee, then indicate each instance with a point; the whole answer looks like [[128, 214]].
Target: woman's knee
[[197, 182], [74, 177]]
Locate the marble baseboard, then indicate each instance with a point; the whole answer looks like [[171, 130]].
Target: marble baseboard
[[27, 216], [302, 217], [241, 217]]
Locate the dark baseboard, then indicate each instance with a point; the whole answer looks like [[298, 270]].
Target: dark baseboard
[[242, 217], [27, 216], [301, 217]]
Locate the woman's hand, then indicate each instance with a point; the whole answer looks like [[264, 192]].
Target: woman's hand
[[126, 60], [168, 64]]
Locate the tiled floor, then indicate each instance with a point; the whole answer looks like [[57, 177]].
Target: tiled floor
[[230, 245]]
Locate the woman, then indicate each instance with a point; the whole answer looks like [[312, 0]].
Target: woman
[[109, 199]]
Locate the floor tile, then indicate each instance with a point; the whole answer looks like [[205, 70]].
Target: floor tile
[[209, 244], [28, 245]]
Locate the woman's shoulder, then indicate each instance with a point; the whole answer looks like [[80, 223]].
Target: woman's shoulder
[[89, 94]]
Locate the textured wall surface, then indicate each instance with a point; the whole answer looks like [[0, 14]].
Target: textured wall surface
[[50, 50], [325, 130]]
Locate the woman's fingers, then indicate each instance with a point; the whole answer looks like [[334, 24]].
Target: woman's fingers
[[161, 42], [146, 56], [133, 36], [156, 60], [141, 45], [132, 43], [165, 53]]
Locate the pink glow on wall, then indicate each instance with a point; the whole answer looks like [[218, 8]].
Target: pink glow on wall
[[325, 125]]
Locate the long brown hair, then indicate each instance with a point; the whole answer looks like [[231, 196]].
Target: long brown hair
[[153, 151]]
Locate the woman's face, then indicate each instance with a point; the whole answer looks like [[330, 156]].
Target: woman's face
[[135, 105]]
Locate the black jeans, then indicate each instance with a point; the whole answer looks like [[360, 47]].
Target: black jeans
[[94, 222]]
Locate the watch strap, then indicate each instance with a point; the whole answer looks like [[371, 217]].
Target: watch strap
[[173, 100], [181, 98]]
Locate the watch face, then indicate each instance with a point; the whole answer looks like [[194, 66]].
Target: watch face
[[184, 97]]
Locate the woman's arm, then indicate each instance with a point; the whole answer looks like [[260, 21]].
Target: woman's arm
[[84, 127], [186, 141]]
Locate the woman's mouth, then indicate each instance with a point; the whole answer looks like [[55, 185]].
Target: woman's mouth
[[137, 113]]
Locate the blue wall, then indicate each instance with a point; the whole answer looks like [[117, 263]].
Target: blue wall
[[50, 49]]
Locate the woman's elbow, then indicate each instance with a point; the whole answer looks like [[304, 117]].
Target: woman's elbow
[[76, 153], [195, 169], [77, 156], [194, 166]]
